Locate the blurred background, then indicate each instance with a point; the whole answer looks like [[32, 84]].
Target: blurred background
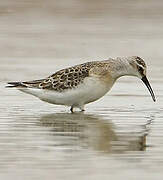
[[81, 29], [119, 136], [74, 31]]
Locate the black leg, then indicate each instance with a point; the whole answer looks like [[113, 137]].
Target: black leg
[[72, 109]]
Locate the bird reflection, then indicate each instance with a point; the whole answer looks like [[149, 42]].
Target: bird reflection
[[93, 132]]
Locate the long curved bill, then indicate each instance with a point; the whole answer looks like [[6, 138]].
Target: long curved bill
[[146, 82]]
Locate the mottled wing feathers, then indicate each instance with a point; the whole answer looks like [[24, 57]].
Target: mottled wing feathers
[[67, 78], [64, 79]]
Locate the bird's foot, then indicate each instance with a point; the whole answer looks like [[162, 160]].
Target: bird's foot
[[81, 109], [72, 109]]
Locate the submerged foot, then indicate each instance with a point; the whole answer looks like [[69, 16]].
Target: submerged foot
[[72, 109], [81, 109]]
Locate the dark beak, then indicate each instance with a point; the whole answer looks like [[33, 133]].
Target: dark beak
[[146, 82]]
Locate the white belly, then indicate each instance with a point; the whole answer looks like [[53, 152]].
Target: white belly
[[90, 90]]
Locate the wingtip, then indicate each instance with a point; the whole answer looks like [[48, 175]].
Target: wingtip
[[14, 84]]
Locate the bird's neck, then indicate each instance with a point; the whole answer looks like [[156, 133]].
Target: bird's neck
[[121, 67]]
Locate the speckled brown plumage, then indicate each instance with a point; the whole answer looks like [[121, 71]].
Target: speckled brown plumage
[[66, 78]]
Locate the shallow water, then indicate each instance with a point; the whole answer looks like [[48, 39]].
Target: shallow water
[[119, 136]]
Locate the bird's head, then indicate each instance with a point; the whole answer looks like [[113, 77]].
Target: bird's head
[[138, 68]]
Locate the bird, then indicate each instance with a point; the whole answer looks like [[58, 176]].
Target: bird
[[84, 83]]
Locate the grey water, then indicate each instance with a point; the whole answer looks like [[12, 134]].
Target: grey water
[[119, 136]]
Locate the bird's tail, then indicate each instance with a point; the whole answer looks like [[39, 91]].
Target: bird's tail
[[15, 84], [25, 84]]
